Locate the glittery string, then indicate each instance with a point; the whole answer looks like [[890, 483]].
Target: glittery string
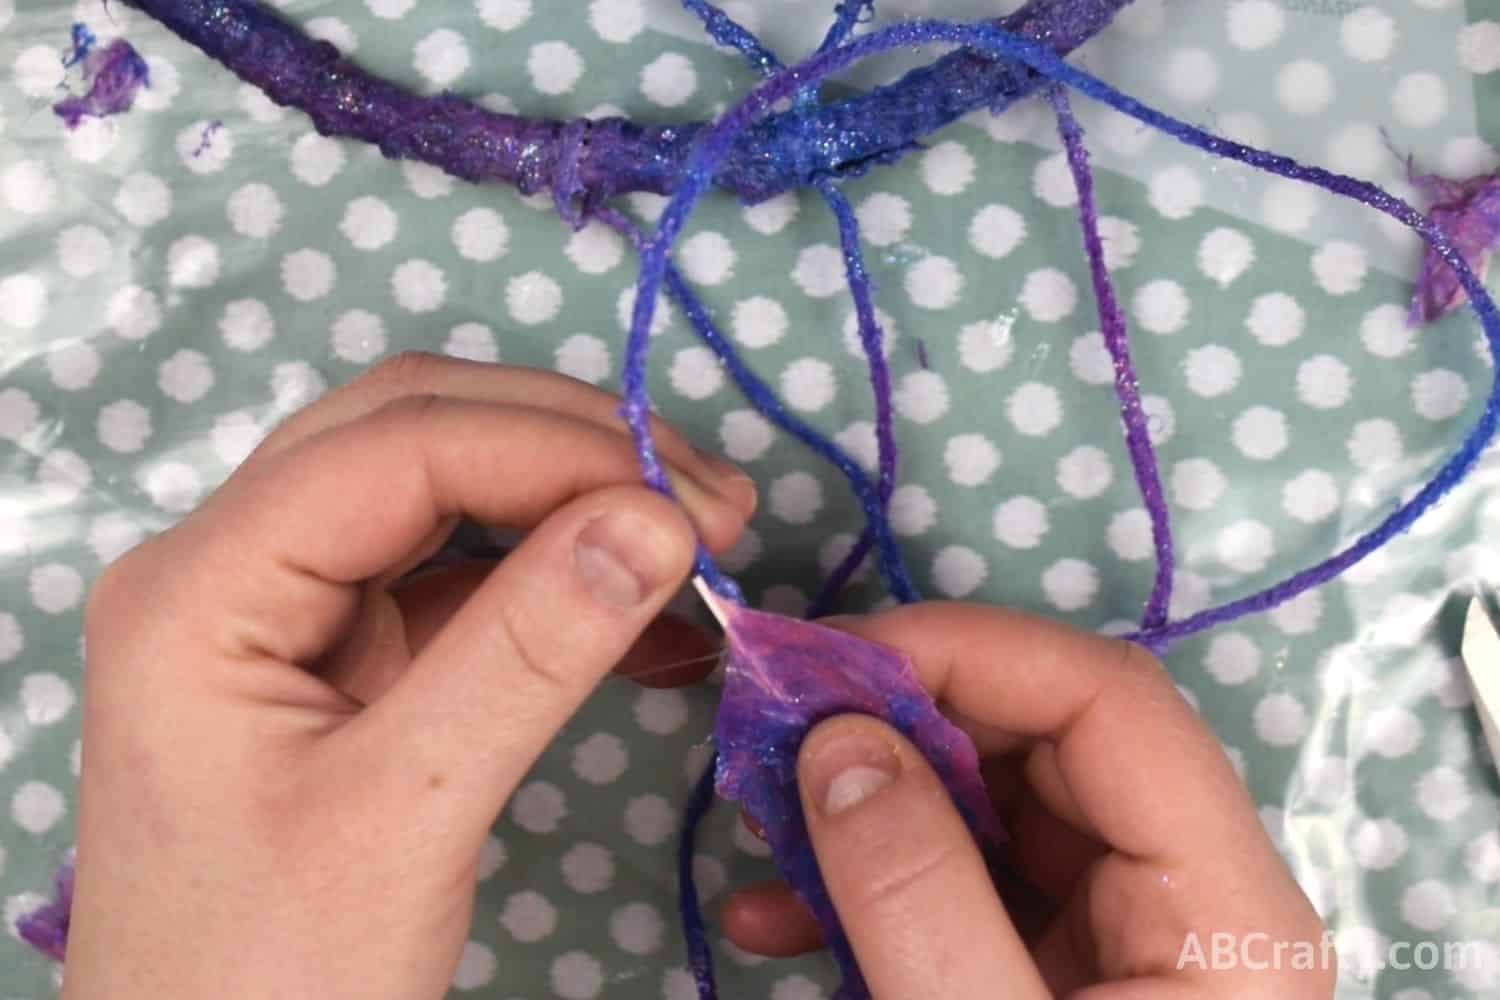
[[1117, 343]]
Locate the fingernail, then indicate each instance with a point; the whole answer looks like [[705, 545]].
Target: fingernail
[[851, 768], [611, 557], [731, 482]]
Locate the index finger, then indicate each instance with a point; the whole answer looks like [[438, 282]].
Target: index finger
[[1143, 769]]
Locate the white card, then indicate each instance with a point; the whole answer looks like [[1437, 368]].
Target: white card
[[1481, 656]]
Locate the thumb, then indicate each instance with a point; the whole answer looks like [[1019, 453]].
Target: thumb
[[492, 688], [903, 871]]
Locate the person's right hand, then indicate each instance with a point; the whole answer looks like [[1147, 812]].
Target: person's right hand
[[1132, 835]]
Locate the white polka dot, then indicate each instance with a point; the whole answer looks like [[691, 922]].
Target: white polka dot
[[1034, 409], [143, 199], [971, 459], [255, 210], [1276, 319], [819, 271], [205, 147], [934, 283], [1070, 584], [1052, 182], [37, 71], [986, 346], [63, 475], [333, 31], [796, 498], [123, 426], [584, 357], [661, 711], [368, 223], [997, 230], [1420, 100], [1212, 370], [707, 259], [913, 511], [650, 820], [1385, 332], [669, 80], [186, 376], [1232, 658], [18, 414], [12, 641], [746, 435], [796, 987], [1280, 720], [528, 916], [1085, 472], [358, 336], [617, 21], [1121, 241], [390, 10], [23, 301], [637, 928], [1260, 433], [260, 108], [29, 187], [476, 967], [36, 807], [921, 397], [1224, 255], [82, 251], [133, 313], [554, 67], [858, 439], [316, 159], [758, 321], [1288, 206], [192, 262], [1048, 295], [1245, 546], [772, 215], [1161, 306], [55, 588], [492, 857], [73, 364], [1192, 75], [1357, 149], [588, 868], [1324, 382], [1197, 484], [1482, 857], [947, 168], [1255, 24], [808, 384], [1300, 615], [1311, 497], [1479, 47], [420, 287], [247, 325], [1129, 535], [1304, 87], [1468, 156], [504, 15], [538, 807], [1428, 905], [1339, 267], [1090, 361], [1378, 844], [1391, 732], [425, 180], [594, 249], [441, 57], [111, 536], [470, 341], [696, 373], [1368, 34], [1439, 394], [1175, 192], [884, 219], [235, 436], [307, 275], [576, 975]]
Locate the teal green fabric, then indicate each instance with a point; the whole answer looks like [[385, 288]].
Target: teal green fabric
[[162, 307]]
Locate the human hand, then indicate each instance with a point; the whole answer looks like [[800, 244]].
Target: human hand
[[1132, 834], [292, 756]]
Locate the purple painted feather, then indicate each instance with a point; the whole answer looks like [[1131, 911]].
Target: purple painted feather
[[782, 677], [1468, 213], [115, 73], [46, 929]]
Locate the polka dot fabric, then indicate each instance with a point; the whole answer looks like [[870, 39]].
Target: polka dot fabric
[[169, 291]]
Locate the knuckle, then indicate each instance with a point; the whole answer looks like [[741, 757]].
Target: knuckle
[[535, 667], [898, 874], [403, 374]]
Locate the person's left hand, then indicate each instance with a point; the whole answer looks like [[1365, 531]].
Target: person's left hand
[[292, 755]]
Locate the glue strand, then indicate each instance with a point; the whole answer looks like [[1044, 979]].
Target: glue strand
[[1117, 342]]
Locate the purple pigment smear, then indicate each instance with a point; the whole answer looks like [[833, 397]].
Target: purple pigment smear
[[46, 929], [1468, 213], [781, 678], [115, 73]]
